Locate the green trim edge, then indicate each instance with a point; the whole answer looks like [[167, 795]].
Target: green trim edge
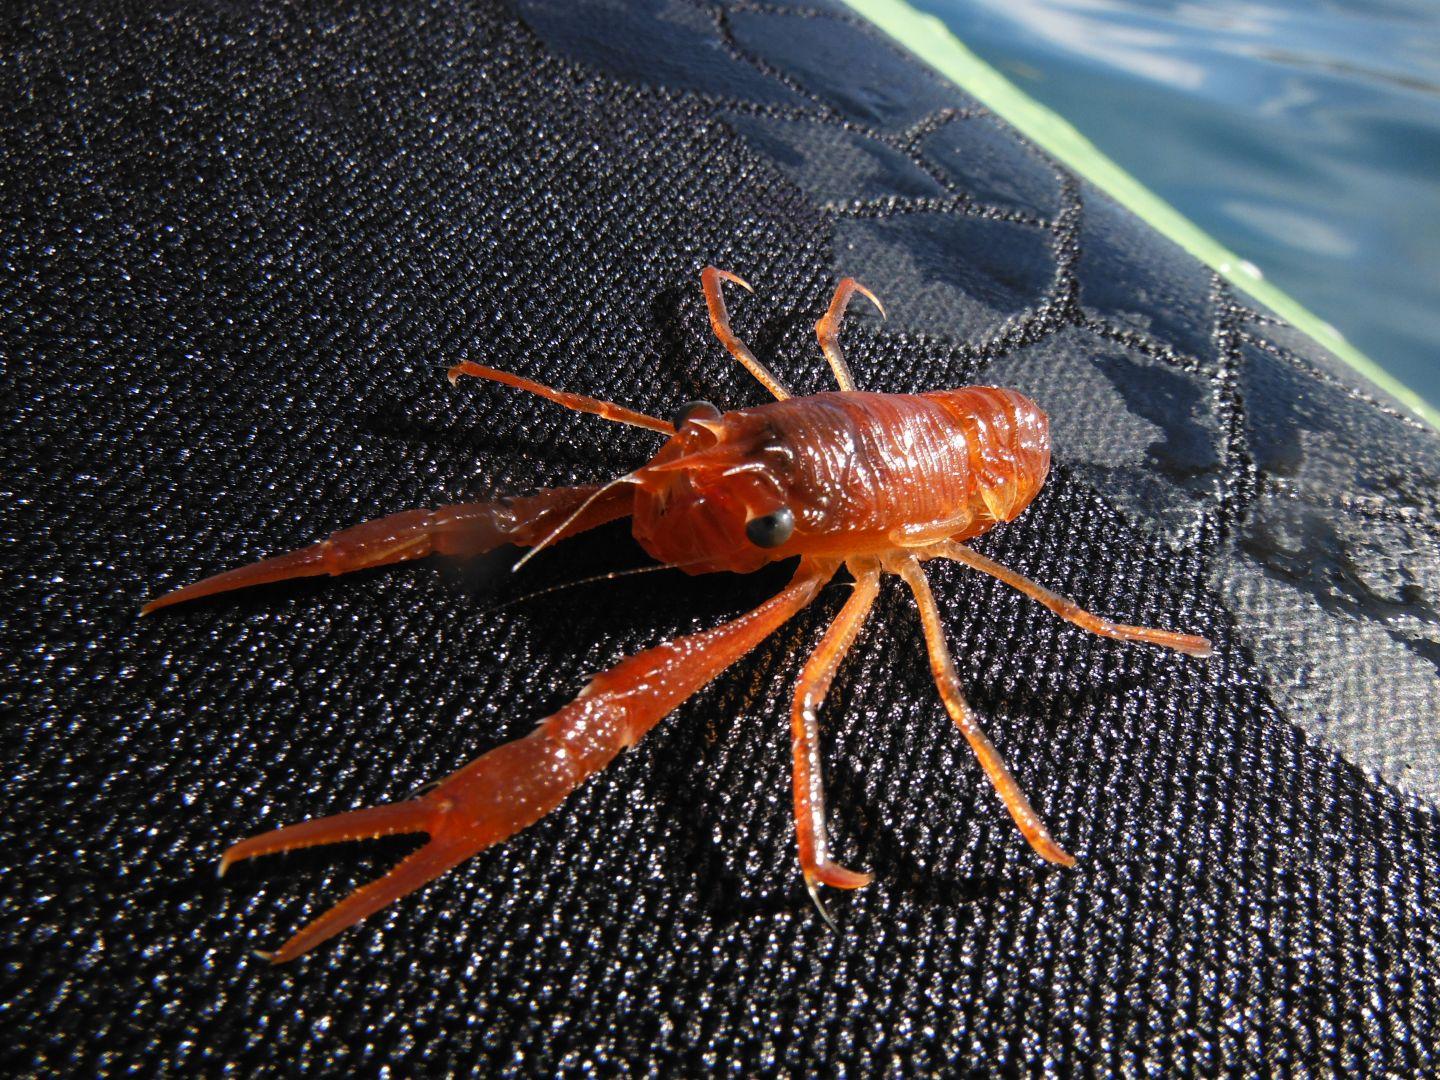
[[931, 40]]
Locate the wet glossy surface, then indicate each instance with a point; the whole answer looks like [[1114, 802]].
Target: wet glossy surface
[[1305, 137]]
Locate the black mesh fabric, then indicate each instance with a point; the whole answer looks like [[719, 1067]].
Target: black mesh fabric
[[240, 246]]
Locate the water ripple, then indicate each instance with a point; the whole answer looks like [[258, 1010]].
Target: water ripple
[[1304, 136]]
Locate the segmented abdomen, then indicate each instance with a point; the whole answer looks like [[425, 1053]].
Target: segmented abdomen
[[881, 463]]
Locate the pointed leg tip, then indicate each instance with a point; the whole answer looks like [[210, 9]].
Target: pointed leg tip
[[1060, 857], [1044, 845], [1186, 644], [162, 601], [810, 886], [863, 291], [728, 276], [268, 957], [837, 877]]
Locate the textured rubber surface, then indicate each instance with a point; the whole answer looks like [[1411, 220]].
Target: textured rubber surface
[[240, 248]]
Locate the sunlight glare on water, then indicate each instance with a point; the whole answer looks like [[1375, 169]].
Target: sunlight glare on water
[[1303, 136]]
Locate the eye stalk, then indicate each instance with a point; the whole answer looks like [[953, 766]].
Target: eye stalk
[[772, 529], [694, 410]]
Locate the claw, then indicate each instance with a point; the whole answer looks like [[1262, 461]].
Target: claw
[[460, 531], [443, 851], [517, 783], [418, 869], [312, 561], [392, 820]]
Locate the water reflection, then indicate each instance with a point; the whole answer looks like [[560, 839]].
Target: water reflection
[[1304, 136]]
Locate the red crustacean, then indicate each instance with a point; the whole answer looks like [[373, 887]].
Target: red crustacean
[[877, 482]]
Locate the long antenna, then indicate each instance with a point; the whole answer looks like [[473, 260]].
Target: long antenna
[[612, 575], [559, 529]]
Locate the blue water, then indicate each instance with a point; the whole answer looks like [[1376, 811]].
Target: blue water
[[1305, 137]]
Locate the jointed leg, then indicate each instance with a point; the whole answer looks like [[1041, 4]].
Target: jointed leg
[[579, 402], [942, 667], [720, 323], [519, 782], [462, 530], [810, 694], [828, 329], [1190, 644]]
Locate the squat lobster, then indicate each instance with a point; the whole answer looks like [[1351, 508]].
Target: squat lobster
[[878, 482]]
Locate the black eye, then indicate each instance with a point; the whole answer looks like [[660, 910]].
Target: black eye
[[772, 530], [695, 410]]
